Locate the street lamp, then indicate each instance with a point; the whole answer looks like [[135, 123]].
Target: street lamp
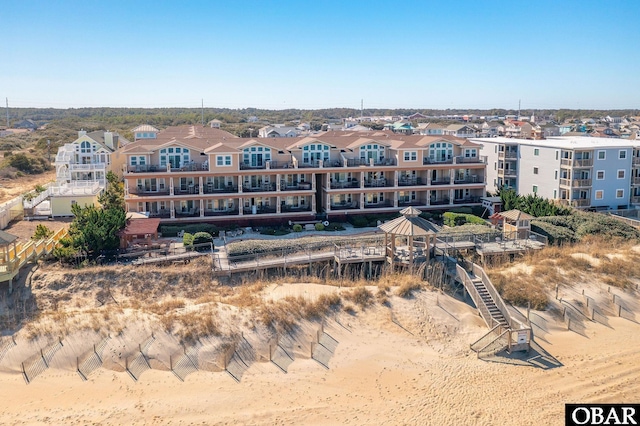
[[49, 150]]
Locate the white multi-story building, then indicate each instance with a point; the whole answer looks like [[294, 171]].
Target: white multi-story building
[[584, 172], [81, 170]]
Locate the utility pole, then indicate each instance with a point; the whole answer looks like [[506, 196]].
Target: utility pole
[[7, 99], [202, 112], [49, 150], [519, 109], [361, 109]]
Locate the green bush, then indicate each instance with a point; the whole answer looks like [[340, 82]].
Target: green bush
[[187, 239], [458, 219], [42, 232], [334, 227], [29, 164], [578, 225], [202, 238], [358, 221], [297, 228], [319, 226]]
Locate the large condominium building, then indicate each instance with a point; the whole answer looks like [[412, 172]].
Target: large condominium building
[[583, 172], [192, 173]]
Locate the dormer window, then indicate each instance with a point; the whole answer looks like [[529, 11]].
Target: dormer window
[[372, 150], [314, 152]]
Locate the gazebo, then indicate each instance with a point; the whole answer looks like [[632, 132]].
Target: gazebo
[[515, 224], [410, 226]]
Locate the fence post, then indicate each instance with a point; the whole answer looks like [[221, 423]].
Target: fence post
[[44, 359]]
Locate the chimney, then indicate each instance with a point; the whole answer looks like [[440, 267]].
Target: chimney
[[82, 133], [108, 140]]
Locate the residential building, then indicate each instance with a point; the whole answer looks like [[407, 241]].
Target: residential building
[[144, 131], [81, 169], [249, 181], [460, 131], [278, 132], [583, 172]]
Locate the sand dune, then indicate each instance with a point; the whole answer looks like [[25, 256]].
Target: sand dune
[[414, 367]]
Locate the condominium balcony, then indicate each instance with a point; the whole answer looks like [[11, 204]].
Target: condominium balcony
[[344, 205], [508, 154], [300, 186], [635, 161], [428, 160], [211, 188], [508, 172], [354, 183], [157, 168], [410, 181], [439, 201], [377, 205], [267, 165], [575, 183], [221, 212], [184, 212], [259, 210], [470, 160], [403, 203], [635, 199], [148, 191], [73, 167], [582, 202], [588, 162], [355, 162], [375, 183], [469, 180], [441, 181], [466, 200], [265, 187], [286, 208], [162, 213], [635, 180]]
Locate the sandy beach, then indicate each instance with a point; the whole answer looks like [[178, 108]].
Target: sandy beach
[[409, 363]]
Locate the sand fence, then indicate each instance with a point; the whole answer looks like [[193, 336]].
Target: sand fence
[[137, 350]]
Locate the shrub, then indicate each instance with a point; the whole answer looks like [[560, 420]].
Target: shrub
[[358, 221], [42, 232], [297, 228], [187, 239], [202, 238], [334, 227], [192, 228], [457, 219], [29, 164], [319, 226]]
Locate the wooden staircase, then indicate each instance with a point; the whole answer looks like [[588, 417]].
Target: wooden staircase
[[488, 301], [505, 332]]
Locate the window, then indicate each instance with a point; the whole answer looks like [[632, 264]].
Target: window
[[535, 170], [535, 189], [410, 156], [555, 194], [496, 149], [374, 151], [223, 160], [619, 193], [495, 166], [133, 161], [555, 176], [470, 153], [622, 154], [557, 153], [602, 155], [600, 175], [536, 151], [599, 194], [620, 174], [312, 153]]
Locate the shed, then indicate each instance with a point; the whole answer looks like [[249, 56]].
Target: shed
[[139, 231]]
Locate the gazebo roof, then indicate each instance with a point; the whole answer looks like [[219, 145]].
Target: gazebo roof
[[6, 238], [411, 226], [513, 215]]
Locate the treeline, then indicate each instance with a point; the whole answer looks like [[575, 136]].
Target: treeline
[[163, 117]]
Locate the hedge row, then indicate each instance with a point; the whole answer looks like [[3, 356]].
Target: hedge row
[[574, 227], [191, 228], [457, 219]]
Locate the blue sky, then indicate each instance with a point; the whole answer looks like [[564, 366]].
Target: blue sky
[[320, 54]]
